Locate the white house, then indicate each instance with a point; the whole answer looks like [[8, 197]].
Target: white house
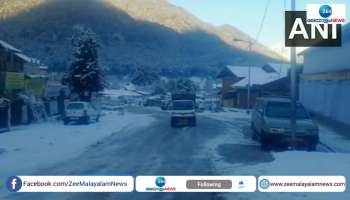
[[325, 81]]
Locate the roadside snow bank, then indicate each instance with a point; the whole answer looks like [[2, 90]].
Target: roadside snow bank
[[302, 163], [227, 115], [335, 141], [39, 145], [240, 155]]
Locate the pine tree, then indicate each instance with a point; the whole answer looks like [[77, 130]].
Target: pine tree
[[160, 87], [145, 76], [182, 85], [85, 75]]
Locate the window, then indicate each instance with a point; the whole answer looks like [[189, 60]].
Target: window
[[183, 105], [283, 110], [75, 106]]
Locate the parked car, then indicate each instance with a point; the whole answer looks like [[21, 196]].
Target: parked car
[[271, 124], [82, 112]]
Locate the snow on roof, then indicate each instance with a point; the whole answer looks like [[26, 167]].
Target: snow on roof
[[24, 57], [280, 68], [142, 92], [36, 76], [258, 79], [43, 67], [121, 92], [258, 76], [8, 46], [242, 71]]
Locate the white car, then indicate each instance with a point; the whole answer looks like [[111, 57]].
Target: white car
[[82, 112], [183, 113]]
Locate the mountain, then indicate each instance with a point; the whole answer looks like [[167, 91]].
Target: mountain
[[152, 33]]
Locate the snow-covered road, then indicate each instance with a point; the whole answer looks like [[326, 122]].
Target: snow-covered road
[[220, 145], [28, 148], [235, 153]]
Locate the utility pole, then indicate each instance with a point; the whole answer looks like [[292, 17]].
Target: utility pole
[[249, 78], [250, 46], [293, 89]]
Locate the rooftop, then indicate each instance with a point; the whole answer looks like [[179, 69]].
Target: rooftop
[[24, 57], [280, 68], [8, 46], [258, 76]]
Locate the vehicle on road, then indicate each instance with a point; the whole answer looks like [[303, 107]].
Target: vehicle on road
[[153, 102], [165, 104], [82, 112], [114, 105], [207, 105], [183, 109], [271, 124]]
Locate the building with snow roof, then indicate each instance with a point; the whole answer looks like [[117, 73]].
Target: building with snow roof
[[269, 79], [325, 81], [20, 75]]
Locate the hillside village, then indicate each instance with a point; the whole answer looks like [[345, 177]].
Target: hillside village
[[143, 87]]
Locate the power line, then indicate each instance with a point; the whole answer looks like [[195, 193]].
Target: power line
[[263, 20], [282, 44]]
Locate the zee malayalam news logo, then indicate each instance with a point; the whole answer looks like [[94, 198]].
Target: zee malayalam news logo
[[264, 184], [326, 13], [160, 181], [320, 25]]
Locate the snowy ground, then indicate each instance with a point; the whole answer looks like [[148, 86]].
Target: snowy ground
[[228, 115], [330, 139], [220, 144], [335, 141], [236, 143], [41, 145]]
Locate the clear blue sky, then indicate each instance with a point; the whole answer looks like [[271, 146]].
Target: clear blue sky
[[246, 15]]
